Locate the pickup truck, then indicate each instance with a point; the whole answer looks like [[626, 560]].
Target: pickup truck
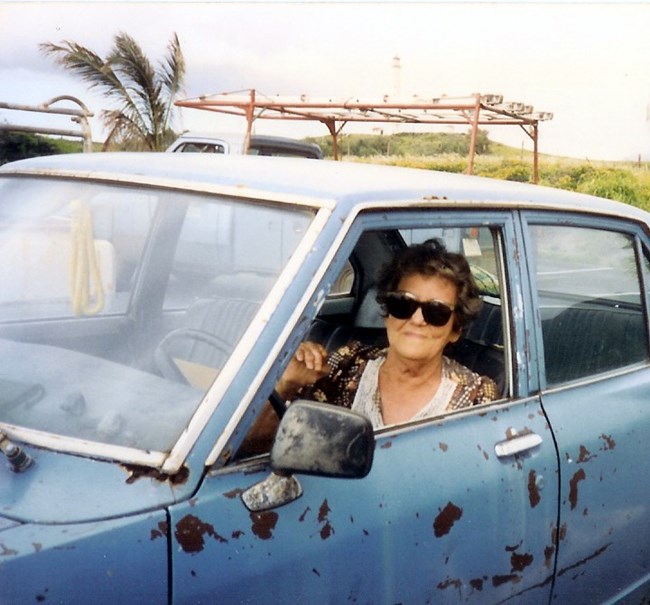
[[234, 144]]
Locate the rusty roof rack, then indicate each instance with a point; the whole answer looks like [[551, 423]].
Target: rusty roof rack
[[472, 110]]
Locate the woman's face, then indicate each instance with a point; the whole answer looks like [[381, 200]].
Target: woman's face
[[414, 339]]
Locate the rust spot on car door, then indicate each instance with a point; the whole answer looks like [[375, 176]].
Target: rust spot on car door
[[304, 514], [519, 562], [549, 551], [323, 517], [446, 519], [191, 531], [504, 579], [451, 583], [610, 444], [160, 531], [534, 497], [264, 523], [585, 455], [235, 493], [573, 487]]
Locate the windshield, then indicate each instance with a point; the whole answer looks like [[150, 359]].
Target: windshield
[[118, 305]]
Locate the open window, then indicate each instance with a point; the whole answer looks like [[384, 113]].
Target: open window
[[355, 315]]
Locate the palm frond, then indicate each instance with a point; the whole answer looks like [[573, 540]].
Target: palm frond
[[144, 95], [92, 68], [86, 64], [173, 67], [172, 71], [138, 76]]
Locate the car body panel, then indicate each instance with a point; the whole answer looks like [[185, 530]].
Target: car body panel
[[605, 487], [119, 560], [538, 497], [603, 532], [98, 489], [478, 532]]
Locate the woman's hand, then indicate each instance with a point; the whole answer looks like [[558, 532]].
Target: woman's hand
[[308, 364]]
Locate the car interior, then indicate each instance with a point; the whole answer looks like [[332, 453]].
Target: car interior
[[481, 348], [350, 312]]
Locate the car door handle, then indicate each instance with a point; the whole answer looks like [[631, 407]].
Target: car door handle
[[517, 443]]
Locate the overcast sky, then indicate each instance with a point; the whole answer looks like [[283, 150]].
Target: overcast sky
[[588, 63]]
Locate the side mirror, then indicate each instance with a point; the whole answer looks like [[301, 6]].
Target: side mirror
[[324, 440]]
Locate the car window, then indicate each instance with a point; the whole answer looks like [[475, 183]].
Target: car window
[[475, 243], [231, 250], [75, 257], [590, 302], [342, 286], [199, 147], [141, 294], [481, 349]]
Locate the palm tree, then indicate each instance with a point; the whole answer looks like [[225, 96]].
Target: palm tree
[[143, 96]]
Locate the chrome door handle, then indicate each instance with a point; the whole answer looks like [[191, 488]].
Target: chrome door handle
[[516, 443]]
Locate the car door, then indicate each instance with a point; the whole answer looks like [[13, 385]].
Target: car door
[[460, 508], [591, 281]]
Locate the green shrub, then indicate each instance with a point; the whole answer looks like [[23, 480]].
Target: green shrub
[[404, 144], [611, 183], [565, 176], [17, 146], [508, 171]]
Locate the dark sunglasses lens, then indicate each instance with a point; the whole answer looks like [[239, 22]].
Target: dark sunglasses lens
[[401, 307], [436, 313]]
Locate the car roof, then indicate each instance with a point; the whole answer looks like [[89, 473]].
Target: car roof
[[345, 184]]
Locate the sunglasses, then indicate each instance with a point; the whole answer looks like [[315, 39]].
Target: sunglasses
[[402, 305]]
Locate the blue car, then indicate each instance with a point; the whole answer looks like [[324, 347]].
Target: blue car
[[149, 304]]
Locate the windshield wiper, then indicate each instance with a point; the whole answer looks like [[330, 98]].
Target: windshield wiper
[[19, 460]]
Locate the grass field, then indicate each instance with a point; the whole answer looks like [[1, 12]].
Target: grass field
[[628, 182]]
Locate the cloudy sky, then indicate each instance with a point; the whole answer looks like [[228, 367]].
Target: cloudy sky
[[588, 63]]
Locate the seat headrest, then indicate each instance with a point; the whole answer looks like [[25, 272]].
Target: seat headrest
[[369, 312]]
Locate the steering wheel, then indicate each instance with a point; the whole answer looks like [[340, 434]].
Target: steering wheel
[[163, 356], [168, 368]]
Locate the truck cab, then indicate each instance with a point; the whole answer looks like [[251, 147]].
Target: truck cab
[[234, 144]]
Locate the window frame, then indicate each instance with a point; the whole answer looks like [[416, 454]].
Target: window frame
[[641, 250], [517, 381]]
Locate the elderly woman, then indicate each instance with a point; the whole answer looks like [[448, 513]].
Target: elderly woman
[[428, 296]]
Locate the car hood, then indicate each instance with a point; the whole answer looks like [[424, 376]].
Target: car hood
[[62, 488]]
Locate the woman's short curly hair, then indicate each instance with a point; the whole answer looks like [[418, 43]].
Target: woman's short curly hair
[[428, 259]]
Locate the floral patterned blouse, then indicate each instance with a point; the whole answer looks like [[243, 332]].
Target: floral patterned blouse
[[347, 366]]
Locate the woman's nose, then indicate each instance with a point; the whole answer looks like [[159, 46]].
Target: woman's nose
[[417, 317]]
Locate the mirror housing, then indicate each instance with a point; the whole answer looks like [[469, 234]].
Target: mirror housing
[[324, 440]]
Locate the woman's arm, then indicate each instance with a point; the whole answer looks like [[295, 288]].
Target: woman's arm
[[308, 364]]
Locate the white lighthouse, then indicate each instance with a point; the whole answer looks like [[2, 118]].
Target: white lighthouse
[[397, 68]]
